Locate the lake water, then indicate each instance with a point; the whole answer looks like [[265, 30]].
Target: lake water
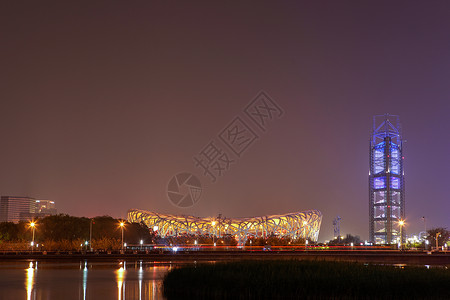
[[82, 280], [66, 280]]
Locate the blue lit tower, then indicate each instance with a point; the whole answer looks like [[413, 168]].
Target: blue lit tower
[[386, 182]]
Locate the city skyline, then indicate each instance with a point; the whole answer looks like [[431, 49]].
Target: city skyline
[[24, 208], [103, 104]]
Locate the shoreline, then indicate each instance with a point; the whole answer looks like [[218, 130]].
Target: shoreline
[[375, 257], [282, 279]]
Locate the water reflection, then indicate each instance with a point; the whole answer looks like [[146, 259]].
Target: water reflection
[[84, 279], [140, 281], [30, 281], [85, 276], [120, 276], [140, 277]]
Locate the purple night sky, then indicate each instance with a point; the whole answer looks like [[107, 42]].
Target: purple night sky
[[102, 102]]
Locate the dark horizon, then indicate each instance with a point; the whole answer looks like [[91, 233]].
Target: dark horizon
[[103, 103]]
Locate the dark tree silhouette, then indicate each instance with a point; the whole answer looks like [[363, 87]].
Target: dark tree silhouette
[[441, 232]]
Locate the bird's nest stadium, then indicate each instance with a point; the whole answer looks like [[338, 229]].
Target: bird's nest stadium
[[304, 225]]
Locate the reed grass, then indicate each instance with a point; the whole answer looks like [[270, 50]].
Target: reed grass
[[295, 279]]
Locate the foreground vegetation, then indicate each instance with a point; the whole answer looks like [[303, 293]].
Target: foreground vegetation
[[70, 233], [305, 279], [66, 233]]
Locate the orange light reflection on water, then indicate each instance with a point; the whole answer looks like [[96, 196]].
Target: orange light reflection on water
[[120, 277], [30, 280]]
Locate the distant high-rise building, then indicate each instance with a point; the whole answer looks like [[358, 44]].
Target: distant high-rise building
[[46, 207], [386, 181], [12, 208], [15, 209]]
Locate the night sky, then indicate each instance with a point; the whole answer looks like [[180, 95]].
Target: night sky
[[102, 102]]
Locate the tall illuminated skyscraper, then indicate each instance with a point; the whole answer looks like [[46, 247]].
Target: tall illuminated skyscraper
[[386, 180]]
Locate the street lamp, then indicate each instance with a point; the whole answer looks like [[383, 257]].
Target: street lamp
[[155, 231], [437, 244], [90, 234], [122, 224], [33, 226], [304, 229], [213, 223], [142, 242], [401, 223]]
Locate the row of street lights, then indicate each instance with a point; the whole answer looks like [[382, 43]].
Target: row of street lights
[[213, 223], [121, 224]]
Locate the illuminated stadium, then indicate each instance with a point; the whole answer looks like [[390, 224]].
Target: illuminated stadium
[[304, 224]]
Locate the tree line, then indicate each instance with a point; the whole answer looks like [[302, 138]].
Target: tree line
[[440, 233], [64, 232]]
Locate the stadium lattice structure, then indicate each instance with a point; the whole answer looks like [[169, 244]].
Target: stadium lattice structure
[[304, 224]]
